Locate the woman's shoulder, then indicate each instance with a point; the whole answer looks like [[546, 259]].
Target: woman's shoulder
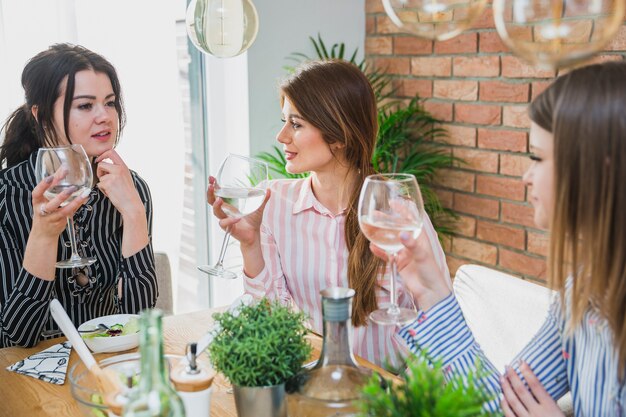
[[18, 177], [141, 185], [287, 184]]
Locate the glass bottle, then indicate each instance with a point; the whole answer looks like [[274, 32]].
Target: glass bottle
[[336, 381], [154, 395]]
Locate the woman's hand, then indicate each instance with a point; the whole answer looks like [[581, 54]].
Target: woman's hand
[[247, 229], [419, 270], [116, 182], [519, 401]]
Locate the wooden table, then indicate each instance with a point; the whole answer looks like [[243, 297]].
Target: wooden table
[[23, 396]]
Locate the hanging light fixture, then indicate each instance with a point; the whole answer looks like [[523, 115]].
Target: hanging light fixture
[[223, 28], [434, 19], [554, 34]]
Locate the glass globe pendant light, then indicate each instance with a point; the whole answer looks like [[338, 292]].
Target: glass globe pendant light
[[223, 28], [554, 34], [434, 19]]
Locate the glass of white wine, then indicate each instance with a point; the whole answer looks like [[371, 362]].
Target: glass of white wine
[[390, 204], [241, 183], [71, 164]]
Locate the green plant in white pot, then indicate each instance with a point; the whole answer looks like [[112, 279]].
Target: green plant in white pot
[[258, 348]]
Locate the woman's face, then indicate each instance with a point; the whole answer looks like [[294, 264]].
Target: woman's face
[[93, 121], [305, 148], [540, 175]]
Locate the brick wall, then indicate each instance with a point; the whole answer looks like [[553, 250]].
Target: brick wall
[[480, 91]]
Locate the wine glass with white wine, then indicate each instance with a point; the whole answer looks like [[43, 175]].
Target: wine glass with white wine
[[389, 205], [71, 164], [241, 183]]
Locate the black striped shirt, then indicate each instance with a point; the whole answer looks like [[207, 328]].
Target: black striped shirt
[[24, 314]]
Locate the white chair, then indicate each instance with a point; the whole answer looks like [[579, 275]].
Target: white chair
[[503, 312], [164, 280]]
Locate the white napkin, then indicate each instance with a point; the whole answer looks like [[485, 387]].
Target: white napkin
[[49, 365]]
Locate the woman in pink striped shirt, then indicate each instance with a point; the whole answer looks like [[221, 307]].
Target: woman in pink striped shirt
[[306, 237]]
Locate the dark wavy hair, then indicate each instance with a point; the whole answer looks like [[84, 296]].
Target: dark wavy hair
[[42, 80]]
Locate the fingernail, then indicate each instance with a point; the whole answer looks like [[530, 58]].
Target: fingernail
[[86, 193], [404, 236], [48, 179]]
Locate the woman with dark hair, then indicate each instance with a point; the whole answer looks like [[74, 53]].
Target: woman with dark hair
[[307, 238], [578, 189], [73, 96]]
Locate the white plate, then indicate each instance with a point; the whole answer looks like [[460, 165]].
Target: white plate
[[110, 344]]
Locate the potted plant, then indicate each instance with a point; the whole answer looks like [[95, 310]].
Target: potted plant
[[258, 348], [425, 392], [409, 138]]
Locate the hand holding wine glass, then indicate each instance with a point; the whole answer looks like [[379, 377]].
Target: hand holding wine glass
[[70, 177], [241, 186], [389, 205]]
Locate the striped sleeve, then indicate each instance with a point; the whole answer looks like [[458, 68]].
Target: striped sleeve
[[139, 283], [442, 333]]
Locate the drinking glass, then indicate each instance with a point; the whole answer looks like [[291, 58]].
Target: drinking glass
[[241, 183], [72, 165], [390, 204]]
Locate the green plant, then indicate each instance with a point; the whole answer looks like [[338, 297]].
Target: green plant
[[423, 393], [409, 139], [261, 345]]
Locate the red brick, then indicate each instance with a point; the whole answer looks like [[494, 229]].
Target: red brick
[[509, 188], [513, 67], [400, 66], [538, 87], [470, 204], [370, 25], [456, 90], [378, 45], [485, 20], [461, 44], [482, 114], [411, 45], [524, 264], [619, 41], [454, 263], [431, 66], [471, 249], [458, 180], [500, 234], [410, 87], [477, 160], [521, 214], [460, 135], [515, 116], [476, 66], [439, 110], [384, 25], [538, 243], [446, 197], [465, 226], [502, 140], [491, 42], [514, 165], [374, 6], [446, 243], [504, 92]]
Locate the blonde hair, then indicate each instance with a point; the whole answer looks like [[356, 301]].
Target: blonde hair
[[584, 110], [337, 98]]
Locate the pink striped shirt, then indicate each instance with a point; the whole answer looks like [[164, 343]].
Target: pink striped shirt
[[305, 251]]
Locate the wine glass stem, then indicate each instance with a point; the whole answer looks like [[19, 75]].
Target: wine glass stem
[[70, 228], [393, 302], [220, 261]]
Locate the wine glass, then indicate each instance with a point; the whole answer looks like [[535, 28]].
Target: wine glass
[[72, 165], [241, 183], [390, 204]]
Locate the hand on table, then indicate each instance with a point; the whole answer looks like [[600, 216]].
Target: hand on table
[[519, 401]]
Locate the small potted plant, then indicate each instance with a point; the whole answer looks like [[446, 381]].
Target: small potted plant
[[424, 392], [259, 348]]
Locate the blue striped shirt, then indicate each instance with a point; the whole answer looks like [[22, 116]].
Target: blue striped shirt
[[584, 362]]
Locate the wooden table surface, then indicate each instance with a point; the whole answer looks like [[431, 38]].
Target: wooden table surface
[[23, 396]]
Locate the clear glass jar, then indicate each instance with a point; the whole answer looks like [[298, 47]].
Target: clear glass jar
[[154, 396], [331, 387]]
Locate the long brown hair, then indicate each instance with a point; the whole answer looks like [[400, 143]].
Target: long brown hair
[[584, 110], [337, 98], [42, 79]]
